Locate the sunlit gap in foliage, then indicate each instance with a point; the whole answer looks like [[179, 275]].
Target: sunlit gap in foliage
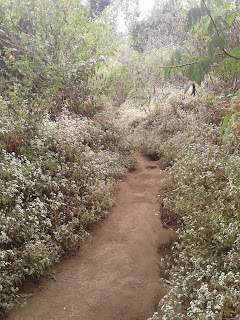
[[144, 7]]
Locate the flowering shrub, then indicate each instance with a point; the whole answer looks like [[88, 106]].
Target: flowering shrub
[[203, 200], [154, 316], [206, 199], [52, 190]]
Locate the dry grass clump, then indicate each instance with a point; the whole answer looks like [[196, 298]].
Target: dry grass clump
[[54, 183]]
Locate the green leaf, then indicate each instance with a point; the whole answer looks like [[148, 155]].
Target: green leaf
[[178, 55], [215, 42], [52, 165], [206, 25], [12, 95], [225, 121], [202, 67], [225, 135], [166, 95], [238, 68], [234, 63], [194, 15], [173, 101], [190, 72], [218, 41], [231, 17]]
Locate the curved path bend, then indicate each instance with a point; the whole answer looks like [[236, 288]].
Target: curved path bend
[[115, 275]]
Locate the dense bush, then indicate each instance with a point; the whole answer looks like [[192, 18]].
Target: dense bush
[[203, 201], [56, 177], [52, 51], [205, 198], [51, 189]]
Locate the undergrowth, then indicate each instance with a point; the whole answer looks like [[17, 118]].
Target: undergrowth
[[203, 200], [56, 179]]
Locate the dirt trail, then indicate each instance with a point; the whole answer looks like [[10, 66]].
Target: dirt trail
[[115, 275]]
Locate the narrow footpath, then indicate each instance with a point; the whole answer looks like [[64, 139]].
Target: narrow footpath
[[115, 275]]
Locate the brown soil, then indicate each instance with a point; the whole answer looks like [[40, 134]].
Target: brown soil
[[115, 275]]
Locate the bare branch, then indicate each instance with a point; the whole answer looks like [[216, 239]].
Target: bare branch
[[8, 42], [186, 64], [179, 65]]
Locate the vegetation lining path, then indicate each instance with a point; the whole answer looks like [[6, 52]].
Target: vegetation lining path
[[115, 275]]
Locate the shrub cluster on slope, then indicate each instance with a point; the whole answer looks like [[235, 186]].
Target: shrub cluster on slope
[[203, 199], [52, 187], [56, 177]]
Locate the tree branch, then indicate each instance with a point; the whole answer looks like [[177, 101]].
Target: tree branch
[[179, 65], [10, 43], [186, 64]]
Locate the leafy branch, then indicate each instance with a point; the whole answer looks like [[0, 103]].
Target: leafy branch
[[199, 66], [217, 31]]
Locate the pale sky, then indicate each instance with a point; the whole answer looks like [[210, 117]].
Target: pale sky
[[144, 6]]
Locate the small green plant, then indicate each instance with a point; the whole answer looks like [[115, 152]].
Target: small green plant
[[209, 98]]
